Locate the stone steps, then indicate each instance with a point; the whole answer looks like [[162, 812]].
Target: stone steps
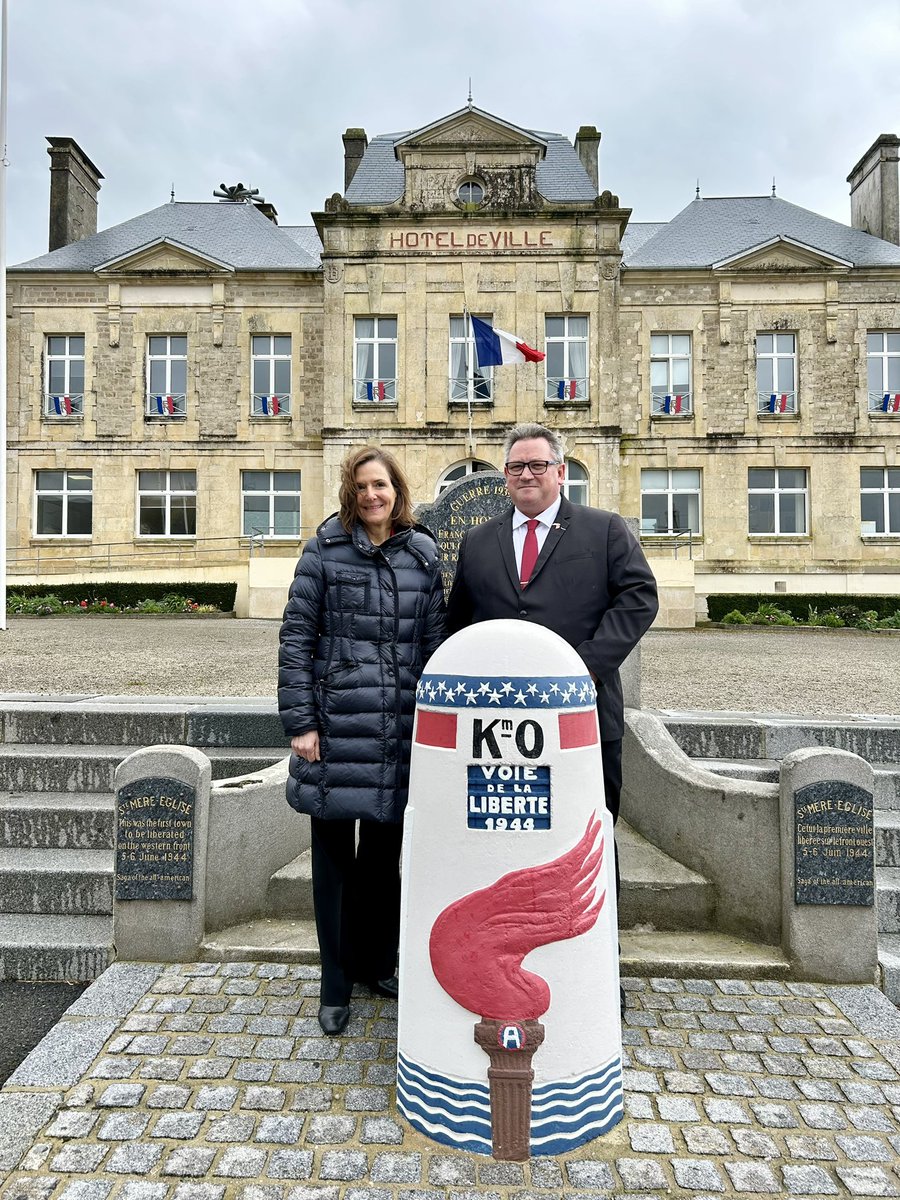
[[265, 940], [46, 948], [290, 890], [65, 882], [766, 770], [889, 960], [705, 955], [658, 892], [73, 768], [61, 820], [887, 899]]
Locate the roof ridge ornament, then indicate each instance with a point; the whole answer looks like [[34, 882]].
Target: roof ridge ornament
[[238, 194]]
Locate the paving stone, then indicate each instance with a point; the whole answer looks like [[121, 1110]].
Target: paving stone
[[709, 1041], [822, 1116], [344, 1164], [586, 1174], [312, 1099], [393, 1167], [774, 1116], [385, 1073], [121, 1095], [639, 1106], [122, 1127], [78, 1158], [71, 1124], [874, 1070], [776, 1087], [161, 1068], [697, 1175], [241, 1162], [640, 1081], [755, 1144], [189, 1160], [210, 1068], [254, 1072], [729, 1111], [269, 1099], [216, 1097], [178, 1125], [545, 1173], [683, 1081], [803, 1146], [665, 1037], [866, 1181], [147, 1044], [267, 1191], [365, 1099], [198, 1191], [808, 1181], [86, 1189], [330, 1130], [701, 1060], [114, 1068], [381, 1131], [447, 1171], [232, 1128], [508, 1173], [871, 1119], [752, 1177], [342, 1072], [297, 1072], [724, 1084], [652, 1139], [136, 1159], [819, 1089], [281, 1130], [319, 1049], [865, 1149], [706, 1139], [649, 1057], [141, 1190], [36, 1156], [862, 1093], [31, 1189], [638, 1174], [677, 1108], [290, 1164]]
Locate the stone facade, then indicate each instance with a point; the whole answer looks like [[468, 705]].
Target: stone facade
[[421, 255]]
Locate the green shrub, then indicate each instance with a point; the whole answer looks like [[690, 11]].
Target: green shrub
[[220, 596], [814, 617], [33, 606], [892, 622], [850, 614], [831, 620], [735, 618], [42, 606], [798, 604], [770, 614]]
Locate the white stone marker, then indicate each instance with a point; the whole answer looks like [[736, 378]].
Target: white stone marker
[[508, 853]]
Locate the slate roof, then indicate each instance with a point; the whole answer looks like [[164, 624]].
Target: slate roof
[[637, 233], [236, 234], [560, 175], [708, 231]]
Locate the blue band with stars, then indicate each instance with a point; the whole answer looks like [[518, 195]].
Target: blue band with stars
[[506, 691]]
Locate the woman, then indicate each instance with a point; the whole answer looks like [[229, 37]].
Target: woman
[[365, 611]]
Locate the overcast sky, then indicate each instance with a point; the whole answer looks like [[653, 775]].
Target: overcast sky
[[198, 92]]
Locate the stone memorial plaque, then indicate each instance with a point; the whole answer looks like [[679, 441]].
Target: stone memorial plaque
[[834, 860], [155, 840], [470, 501]]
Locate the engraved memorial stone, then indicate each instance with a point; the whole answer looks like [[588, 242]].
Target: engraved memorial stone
[[833, 844], [155, 840], [471, 501]]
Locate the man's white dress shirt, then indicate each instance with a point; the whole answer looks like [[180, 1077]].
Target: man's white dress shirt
[[520, 528]]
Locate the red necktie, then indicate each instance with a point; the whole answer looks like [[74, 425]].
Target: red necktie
[[529, 551]]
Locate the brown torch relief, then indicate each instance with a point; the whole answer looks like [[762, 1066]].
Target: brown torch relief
[[510, 1047]]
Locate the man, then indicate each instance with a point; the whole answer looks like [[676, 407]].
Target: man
[[578, 571]]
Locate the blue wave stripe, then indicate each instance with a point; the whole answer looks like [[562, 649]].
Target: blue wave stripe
[[578, 1081], [468, 1091], [572, 1092], [561, 1145], [472, 1119], [440, 1133]]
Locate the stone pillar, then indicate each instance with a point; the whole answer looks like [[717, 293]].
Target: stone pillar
[[587, 145], [162, 818], [74, 185], [874, 198], [829, 920]]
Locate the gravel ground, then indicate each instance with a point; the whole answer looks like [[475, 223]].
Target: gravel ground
[[747, 670]]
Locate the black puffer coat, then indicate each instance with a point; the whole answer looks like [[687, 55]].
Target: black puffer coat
[[360, 623]]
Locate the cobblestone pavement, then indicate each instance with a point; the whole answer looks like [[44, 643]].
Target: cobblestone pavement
[[210, 1081]]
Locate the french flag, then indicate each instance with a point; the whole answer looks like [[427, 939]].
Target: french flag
[[672, 404], [62, 406], [270, 405], [496, 348], [778, 403], [375, 391], [891, 403], [565, 387], [165, 405]]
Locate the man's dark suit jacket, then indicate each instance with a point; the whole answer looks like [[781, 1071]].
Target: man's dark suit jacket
[[591, 585]]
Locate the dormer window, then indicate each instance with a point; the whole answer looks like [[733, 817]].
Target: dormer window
[[470, 192]]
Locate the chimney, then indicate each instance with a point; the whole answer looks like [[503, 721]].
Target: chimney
[[587, 146], [874, 201], [74, 184], [355, 142], [267, 209]]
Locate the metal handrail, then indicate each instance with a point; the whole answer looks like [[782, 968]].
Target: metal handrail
[[674, 540]]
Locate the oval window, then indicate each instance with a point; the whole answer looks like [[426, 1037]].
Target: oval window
[[470, 192]]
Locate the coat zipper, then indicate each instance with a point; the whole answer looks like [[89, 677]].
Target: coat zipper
[[398, 701]]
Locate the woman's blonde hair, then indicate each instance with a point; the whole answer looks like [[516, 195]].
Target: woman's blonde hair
[[402, 515]]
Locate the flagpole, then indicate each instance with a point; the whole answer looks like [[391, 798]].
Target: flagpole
[[4, 29], [467, 329]]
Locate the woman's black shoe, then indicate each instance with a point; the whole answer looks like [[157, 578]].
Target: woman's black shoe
[[333, 1018], [385, 987]]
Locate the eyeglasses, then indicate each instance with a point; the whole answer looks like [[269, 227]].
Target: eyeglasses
[[537, 466]]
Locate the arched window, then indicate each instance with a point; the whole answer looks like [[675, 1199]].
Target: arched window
[[575, 483], [460, 471]]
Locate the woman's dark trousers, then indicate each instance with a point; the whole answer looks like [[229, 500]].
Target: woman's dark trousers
[[356, 891]]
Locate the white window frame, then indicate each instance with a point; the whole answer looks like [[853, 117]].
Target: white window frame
[[261, 403], [668, 400], [64, 493], [173, 403], [465, 193], [886, 490], [670, 491], [777, 491], [486, 381], [66, 399], [382, 387], [882, 400], [461, 470], [271, 494], [576, 482], [565, 382], [168, 492], [777, 404]]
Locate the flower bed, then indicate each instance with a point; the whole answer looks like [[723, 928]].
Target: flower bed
[[51, 605]]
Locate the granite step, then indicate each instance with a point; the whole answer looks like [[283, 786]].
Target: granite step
[[699, 955], [265, 940], [658, 892], [887, 838], [64, 882], [766, 770], [48, 768], [60, 820], [889, 961], [735, 736], [54, 948], [887, 899], [290, 890]]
